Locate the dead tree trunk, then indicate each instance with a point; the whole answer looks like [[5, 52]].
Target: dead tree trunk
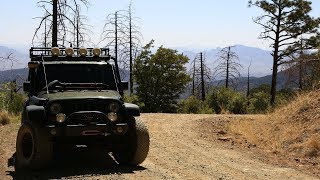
[[55, 23]]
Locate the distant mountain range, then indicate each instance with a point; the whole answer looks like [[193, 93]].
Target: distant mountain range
[[261, 60], [261, 64], [17, 59]]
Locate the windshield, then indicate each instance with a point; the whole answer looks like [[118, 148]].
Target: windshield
[[77, 74]]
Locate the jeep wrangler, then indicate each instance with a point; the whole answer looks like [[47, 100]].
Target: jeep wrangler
[[75, 97]]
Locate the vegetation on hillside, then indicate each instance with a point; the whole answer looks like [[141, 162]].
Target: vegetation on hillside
[[11, 103], [292, 129]]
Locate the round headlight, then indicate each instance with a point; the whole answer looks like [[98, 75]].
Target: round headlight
[[112, 116], [55, 108], [60, 118], [114, 107]]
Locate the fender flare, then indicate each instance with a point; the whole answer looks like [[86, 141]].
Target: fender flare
[[35, 114], [132, 109]]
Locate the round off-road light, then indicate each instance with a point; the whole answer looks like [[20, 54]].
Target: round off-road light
[[119, 129], [53, 131], [96, 52], [55, 51], [69, 51], [112, 116], [55, 108], [60, 118], [83, 51], [114, 107]]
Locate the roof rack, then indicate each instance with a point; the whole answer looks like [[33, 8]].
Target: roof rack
[[37, 52]]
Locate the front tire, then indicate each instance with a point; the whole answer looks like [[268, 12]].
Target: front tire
[[33, 147], [138, 142]]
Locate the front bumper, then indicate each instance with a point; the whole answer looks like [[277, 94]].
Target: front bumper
[[87, 130]]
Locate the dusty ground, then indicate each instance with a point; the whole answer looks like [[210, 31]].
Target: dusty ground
[[182, 147]]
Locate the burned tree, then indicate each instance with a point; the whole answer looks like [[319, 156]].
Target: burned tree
[[200, 74], [122, 33], [227, 66], [62, 23]]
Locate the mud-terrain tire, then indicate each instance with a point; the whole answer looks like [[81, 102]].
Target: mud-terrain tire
[[33, 147], [137, 147]]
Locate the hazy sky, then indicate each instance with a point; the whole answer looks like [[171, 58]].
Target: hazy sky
[[172, 23]]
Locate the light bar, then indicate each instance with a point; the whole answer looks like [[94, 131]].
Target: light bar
[[96, 52], [69, 51], [83, 51], [55, 51]]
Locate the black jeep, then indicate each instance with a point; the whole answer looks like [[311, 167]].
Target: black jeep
[[75, 98]]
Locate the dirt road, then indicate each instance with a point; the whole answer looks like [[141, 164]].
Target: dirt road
[[182, 147]]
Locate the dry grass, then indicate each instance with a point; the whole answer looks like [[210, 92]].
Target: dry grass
[[5, 118], [293, 129]]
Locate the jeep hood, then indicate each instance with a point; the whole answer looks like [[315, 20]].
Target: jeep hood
[[86, 94]]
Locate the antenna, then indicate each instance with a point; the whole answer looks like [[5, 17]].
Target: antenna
[[45, 75]]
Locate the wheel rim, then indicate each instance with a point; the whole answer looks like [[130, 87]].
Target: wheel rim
[[27, 145]]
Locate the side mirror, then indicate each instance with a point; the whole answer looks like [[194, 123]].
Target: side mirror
[[26, 86], [125, 85]]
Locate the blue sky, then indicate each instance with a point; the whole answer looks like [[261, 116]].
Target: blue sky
[[172, 23]]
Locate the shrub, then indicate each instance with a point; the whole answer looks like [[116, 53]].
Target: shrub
[[226, 100], [194, 106], [284, 96], [4, 118], [259, 102], [15, 105], [239, 105]]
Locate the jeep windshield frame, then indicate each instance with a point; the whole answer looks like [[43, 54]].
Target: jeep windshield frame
[[76, 76], [101, 71]]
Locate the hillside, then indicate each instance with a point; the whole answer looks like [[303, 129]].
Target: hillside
[[292, 132], [20, 75], [283, 81]]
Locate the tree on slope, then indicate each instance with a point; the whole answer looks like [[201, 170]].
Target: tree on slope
[[161, 78], [284, 23], [228, 68]]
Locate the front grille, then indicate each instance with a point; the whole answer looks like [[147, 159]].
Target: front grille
[[87, 118], [84, 105]]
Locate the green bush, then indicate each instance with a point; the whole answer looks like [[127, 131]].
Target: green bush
[[226, 100], [284, 96], [192, 105], [259, 102], [239, 105], [11, 102]]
